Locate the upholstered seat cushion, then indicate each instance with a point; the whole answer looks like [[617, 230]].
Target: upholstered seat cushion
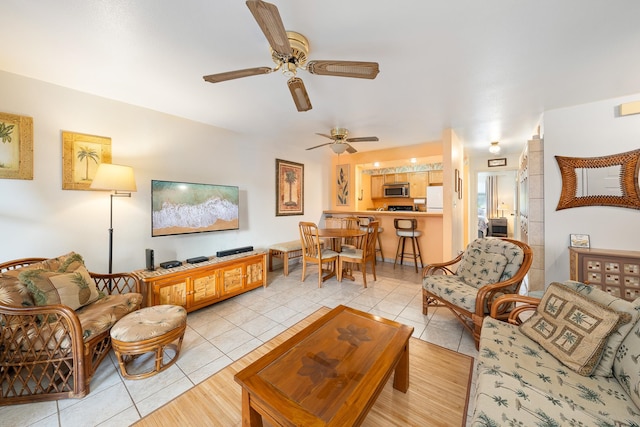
[[408, 233], [293, 245], [102, 314], [149, 322], [452, 289], [520, 383]]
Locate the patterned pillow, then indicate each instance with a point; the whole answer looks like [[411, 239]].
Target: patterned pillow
[[572, 328], [74, 289], [479, 268], [593, 293]]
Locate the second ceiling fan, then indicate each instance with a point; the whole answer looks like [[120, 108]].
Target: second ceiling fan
[[340, 142], [289, 51]]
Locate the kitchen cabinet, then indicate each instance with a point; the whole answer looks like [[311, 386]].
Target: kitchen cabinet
[[418, 182], [194, 286], [614, 271], [392, 178], [436, 177], [377, 181]]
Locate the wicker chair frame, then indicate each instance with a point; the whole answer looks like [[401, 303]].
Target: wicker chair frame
[[59, 363], [472, 321]]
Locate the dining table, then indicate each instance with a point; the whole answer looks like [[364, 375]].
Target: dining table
[[337, 235]]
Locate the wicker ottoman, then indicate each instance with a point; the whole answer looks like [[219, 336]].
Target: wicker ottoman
[[149, 330]]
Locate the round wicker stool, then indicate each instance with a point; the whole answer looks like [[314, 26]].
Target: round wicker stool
[[149, 330]]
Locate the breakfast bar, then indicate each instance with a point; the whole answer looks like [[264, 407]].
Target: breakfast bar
[[430, 223]]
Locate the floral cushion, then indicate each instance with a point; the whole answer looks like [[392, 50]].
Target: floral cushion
[[13, 292], [605, 366], [520, 384], [149, 322], [452, 289], [572, 328], [105, 312], [73, 289], [626, 364], [478, 268], [512, 252]]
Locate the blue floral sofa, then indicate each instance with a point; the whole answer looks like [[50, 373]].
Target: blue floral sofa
[[488, 268], [527, 373]]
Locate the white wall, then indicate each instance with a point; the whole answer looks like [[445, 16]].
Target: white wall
[[588, 130], [38, 218]]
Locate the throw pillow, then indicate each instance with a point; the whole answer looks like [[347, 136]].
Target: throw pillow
[[75, 289], [572, 328], [605, 367], [479, 268]]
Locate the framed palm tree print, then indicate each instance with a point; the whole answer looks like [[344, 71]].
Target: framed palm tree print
[[16, 146], [81, 156], [289, 188]]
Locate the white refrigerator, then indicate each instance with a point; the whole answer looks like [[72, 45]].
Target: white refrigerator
[[435, 198]]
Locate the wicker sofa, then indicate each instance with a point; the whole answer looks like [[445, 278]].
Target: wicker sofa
[[521, 383], [55, 318]]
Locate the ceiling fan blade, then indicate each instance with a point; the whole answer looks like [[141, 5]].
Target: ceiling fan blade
[[230, 75], [361, 70], [299, 94], [325, 135], [363, 139], [350, 149], [321, 145], [268, 18]]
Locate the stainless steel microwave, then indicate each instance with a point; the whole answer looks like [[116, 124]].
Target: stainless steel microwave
[[396, 190]]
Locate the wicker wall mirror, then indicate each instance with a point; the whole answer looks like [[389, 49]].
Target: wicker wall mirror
[[600, 181]]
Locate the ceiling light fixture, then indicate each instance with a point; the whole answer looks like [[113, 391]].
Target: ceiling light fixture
[[339, 147], [494, 148]]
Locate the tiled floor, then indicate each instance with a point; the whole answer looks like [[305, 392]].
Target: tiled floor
[[219, 334]]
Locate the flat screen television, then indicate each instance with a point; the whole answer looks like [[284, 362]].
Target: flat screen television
[[184, 208]]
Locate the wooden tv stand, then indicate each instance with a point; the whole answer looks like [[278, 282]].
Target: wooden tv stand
[[194, 286]]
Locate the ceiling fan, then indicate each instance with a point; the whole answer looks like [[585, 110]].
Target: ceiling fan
[[289, 51], [340, 142]]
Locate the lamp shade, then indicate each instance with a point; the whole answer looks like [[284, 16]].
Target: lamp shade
[[494, 148], [339, 148], [114, 177]]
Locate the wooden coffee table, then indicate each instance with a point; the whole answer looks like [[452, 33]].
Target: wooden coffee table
[[328, 374]]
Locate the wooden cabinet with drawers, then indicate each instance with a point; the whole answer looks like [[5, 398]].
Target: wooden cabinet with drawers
[[194, 286], [614, 271]]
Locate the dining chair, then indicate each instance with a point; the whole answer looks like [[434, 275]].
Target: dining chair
[[350, 223], [364, 222], [314, 252], [365, 252]]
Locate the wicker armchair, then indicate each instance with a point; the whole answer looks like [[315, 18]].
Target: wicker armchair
[[52, 351], [490, 267]]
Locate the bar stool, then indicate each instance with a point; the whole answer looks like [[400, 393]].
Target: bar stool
[[364, 222], [407, 229]]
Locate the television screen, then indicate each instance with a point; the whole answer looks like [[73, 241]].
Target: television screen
[[183, 208]]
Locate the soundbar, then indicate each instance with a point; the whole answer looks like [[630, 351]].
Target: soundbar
[[170, 264], [197, 259], [234, 251]]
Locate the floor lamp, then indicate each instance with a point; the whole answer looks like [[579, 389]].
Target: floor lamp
[[120, 180]]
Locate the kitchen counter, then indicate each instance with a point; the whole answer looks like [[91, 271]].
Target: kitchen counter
[[430, 223]]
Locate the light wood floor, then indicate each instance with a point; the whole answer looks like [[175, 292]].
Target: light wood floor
[[438, 391]]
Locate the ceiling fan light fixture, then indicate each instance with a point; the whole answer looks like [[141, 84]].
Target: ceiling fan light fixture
[[494, 148], [339, 147]]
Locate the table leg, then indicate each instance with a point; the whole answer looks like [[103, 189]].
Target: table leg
[[401, 375], [250, 417]]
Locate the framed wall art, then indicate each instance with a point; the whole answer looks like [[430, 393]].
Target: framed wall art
[[81, 156], [492, 163], [16, 146], [579, 241], [289, 188], [342, 185]]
